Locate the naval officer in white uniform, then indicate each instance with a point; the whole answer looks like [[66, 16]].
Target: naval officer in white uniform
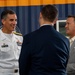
[[10, 44]]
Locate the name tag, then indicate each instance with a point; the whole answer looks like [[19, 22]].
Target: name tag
[[4, 45]]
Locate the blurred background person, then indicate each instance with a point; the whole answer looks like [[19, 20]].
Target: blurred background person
[[10, 44], [44, 51], [70, 31]]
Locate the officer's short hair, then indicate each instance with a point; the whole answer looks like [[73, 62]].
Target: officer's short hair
[[6, 12]]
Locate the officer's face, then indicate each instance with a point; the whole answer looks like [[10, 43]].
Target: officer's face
[[9, 23]]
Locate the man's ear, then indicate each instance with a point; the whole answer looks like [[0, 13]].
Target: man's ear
[[55, 20], [40, 15], [3, 21]]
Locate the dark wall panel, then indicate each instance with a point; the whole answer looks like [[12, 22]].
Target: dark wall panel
[[28, 15], [65, 10]]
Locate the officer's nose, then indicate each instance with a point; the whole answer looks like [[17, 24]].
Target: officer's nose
[[14, 22]]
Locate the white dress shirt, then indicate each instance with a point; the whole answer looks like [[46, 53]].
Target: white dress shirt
[[72, 40]]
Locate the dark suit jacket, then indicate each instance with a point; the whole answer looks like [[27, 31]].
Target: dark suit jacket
[[44, 52]]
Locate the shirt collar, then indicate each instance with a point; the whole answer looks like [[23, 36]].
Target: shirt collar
[[72, 39], [46, 24]]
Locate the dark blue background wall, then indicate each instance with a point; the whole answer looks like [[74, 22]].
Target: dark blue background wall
[[28, 15]]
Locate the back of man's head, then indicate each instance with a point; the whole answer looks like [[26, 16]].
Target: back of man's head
[[49, 13]]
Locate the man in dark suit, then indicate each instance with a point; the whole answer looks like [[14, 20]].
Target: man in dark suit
[[44, 51]]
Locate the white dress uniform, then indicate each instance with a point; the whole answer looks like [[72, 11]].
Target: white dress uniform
[[10, 47]]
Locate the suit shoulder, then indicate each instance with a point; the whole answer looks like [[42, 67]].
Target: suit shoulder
[[31, 34]]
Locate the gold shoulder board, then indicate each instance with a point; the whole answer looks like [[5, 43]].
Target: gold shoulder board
[[16, 33]]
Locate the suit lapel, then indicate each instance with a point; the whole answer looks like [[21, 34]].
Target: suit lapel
[[73, 45]]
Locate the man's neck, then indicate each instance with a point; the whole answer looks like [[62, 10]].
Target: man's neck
[[6, 31], [46, 24]]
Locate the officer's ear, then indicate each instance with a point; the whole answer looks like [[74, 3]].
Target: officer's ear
[[3, 21]]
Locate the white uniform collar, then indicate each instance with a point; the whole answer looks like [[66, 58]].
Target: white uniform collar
[[3, 37]]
